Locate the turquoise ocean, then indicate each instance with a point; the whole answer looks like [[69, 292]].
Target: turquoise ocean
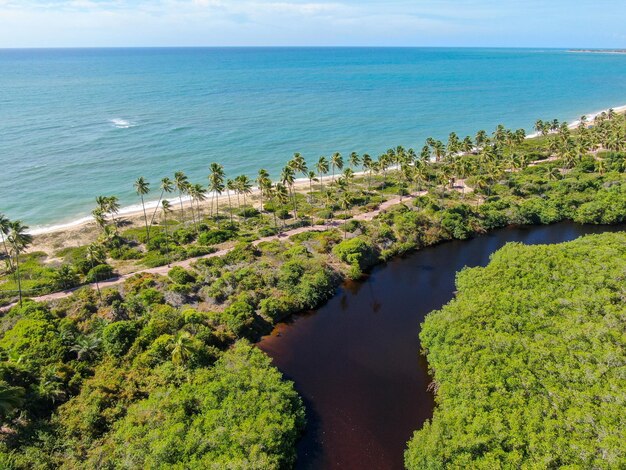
[[77, 123]]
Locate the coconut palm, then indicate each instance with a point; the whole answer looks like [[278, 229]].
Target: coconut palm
[[287, 177], [244, 187], [348, 176], [336, 161], [142, 187], [322, 168], [216, 186], [181, 183], [166, 186], [262, 180], [282, 195], [19, 239], [354, 160], [231, 185], [166, 208], [481, 139], [439, 150], [312, 177], [367, 166], [298, 163], [5, 225], [95, 255], [196, 192]]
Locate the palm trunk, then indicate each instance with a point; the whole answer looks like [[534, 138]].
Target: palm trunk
[[6, 251], [146, 219], [217, 209], [167, 245], [295, 206], [17, 274], [182, 211], [156, 208], [230, 207], [310, 190]]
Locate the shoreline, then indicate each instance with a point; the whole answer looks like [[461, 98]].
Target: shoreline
[[136, 210]]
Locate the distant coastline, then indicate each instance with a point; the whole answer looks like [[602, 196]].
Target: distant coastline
[[599, 51]]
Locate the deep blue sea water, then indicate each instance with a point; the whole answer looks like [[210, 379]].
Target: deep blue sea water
[[78, 123]]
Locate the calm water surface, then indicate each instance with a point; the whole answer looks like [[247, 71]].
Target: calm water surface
[[77, 123], [356, 360]]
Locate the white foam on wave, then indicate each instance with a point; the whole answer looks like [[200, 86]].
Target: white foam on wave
[[121, 123]]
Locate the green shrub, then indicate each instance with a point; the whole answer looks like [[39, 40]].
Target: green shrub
[[101, 272], [180, 275], [118, 337]]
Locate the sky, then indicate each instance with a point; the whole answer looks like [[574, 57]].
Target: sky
[[491, 23]]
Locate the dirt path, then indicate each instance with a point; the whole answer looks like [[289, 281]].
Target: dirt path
[[163, 270]]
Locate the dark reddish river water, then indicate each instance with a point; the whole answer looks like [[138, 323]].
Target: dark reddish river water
[[356, 360]]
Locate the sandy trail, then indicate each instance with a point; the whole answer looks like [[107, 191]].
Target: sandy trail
[[163, 270]]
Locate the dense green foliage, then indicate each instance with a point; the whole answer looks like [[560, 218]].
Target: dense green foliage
[[157, 373], [528, 362]]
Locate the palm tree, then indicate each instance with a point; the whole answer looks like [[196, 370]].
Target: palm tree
[[439, 150], [19, 240], [166, 208], [166, 186], [336, 161], [95, 255], [86, 347], [298, 163], [216, 186], [196, 192], [348, 176], [142, 187], [322, 168], [312, 177], [287, 177], [106, 205], [181, 182], [354, 160], [244, 187], [183, 349], [263, 177], [367, 166], [231, 185], [282, 195], [345, 202], [5, 225], [10, 399]]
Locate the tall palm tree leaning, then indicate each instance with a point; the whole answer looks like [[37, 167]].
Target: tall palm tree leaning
[[5, 225], [181, 183], [166, 208], [336, 161], [282, 196], [142, 187], [19, 240], [216, 186], [322, 168], [166, 186]]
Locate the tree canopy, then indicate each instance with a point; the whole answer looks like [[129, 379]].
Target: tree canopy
[[528, 362]]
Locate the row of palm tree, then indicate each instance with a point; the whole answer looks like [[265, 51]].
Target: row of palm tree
[[494, 154]]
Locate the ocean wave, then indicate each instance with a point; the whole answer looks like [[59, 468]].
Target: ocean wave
[[121, 123]]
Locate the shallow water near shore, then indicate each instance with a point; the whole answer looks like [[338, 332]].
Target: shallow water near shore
[[79, 123], [356, 360]]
